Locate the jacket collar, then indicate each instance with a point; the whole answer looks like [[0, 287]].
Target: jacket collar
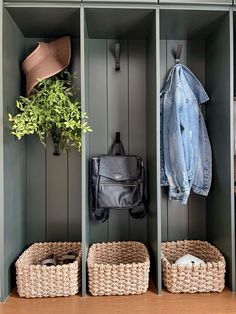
[[179, 73]]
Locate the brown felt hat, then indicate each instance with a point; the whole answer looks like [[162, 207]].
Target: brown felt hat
[[46, 60]]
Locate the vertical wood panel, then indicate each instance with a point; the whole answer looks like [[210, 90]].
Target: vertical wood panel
[[44, 215], [177, 221], [36, 179], [74, 163], [197, 203], [137, 120], [118, 121], [171, 50], [36, 211], [85, 151], [164, 195], [163, 64], [196, 59], [3, 293], [177, 213], [220, 202], [164, 214], [56, 194], [97, 74], [13, 155], [74, 196], [214, 2], [197, 217], [154, 214]]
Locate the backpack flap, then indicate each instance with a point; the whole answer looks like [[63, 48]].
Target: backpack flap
[[119, 168]]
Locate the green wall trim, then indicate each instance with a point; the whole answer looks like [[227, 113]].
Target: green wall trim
[[159, 276], [194, 7], [85, 211], [41, 5], [2, 292], [155, 223], [232, 122]]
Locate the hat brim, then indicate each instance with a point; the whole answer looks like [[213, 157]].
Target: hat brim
[[46, 61]]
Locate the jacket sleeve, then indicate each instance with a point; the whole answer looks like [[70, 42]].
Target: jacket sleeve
[[177, 149]]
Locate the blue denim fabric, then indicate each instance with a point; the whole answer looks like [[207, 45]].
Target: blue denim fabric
[[186, 158]]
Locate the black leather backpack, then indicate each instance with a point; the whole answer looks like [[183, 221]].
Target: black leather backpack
[[117, 183]]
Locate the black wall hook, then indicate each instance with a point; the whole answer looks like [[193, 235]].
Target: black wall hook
[[56, 137], [178, 53], [117, 140], [117, 56]]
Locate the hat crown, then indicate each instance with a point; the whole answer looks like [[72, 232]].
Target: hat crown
[[46, 60]]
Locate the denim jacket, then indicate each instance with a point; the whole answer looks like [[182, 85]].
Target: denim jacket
[[186, 158]]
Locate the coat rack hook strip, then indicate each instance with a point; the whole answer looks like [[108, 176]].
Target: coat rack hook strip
[[117, 56], [178, 53]]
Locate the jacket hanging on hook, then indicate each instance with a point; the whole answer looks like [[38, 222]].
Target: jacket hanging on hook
[[186, 158]]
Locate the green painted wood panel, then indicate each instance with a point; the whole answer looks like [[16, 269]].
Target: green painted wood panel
[[85, 106], [74, 170], [157, 82], [42, 1], [216, 2], [125, 22], [2, 294], [14, 151], [56, 195], [118, 117], [177, 213], [36, 205], [137, 119], [197, 217], [177, 221], [97, 98], [220, 202], [153, 148], [39, 21], [122, 1], [197, 203], [197, 59], [164, 214], [189, 23], [53, 202], [38, 208], [133, 101], [164, 196], [74, 196], [36, 178], [180, 221]]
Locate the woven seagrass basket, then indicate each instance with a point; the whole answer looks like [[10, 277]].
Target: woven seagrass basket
[[36, 281], [206, 277], [118, 268]]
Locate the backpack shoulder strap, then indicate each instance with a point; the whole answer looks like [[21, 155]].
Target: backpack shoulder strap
[[140, 211], [100, 214]]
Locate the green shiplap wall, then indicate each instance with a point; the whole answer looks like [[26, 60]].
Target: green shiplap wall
[[220, 202], [2, 295], [153, 157], [14, 158], [205, 2], [43, 196], [117, 101], [181, 222], [54, 185]]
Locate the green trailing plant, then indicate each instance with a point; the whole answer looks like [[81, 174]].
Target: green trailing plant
[[52, 108]]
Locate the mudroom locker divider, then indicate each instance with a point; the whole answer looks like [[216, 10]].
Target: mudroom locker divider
[[47, 198]]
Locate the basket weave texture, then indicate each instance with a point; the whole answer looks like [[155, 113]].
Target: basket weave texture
[[208, 277], [36, 281], [118, 268]]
